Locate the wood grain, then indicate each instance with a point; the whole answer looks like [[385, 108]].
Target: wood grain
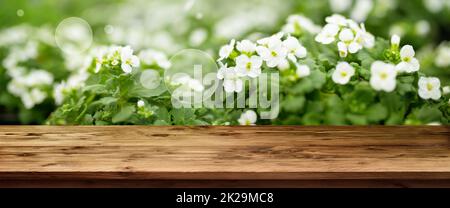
[[258, 156]]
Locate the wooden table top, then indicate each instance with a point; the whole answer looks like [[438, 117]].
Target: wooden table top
[[237, 156]]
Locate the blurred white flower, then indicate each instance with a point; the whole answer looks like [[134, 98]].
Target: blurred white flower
[[33, 98], [128, 59], [299, 24], [408, 62], [140, 104], [249, 66], [434, 6], [246, 46], [248, 117], [429, 88], [383, 76], [302, 71], [187, 83], [343, 73], [152, 57], [422, 27], [361, 10], [395, 40], [198, 37], [226, 50], [295, 49], [446, 90], [443, 55], [337, 19], [340, 5], [232, 81], [342, 48]]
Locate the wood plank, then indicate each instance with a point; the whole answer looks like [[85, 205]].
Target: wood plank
[[238, 156]]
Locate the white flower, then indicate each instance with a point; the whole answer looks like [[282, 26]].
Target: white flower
[[152, 57], [429, 88], [340, 5], [187, 83], [443, 56], [409, 63], [273, 51], [300, 23], [232, 80], [36, 96], [364, 38], [140, 103], [395, 40], [446, 90], [226, 50], [337, 19], [383, 76], [303, 71], [328, 34], [343, 73], [342, 48], [246, 46], [361, 10], [295, 49], [422, 27], [249, 66], [249, 117], [128, 59]]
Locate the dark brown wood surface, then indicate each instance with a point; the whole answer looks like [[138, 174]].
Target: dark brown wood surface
[[258, 156]]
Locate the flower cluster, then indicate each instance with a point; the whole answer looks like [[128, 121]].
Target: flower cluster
[[350, 36], [246, 59], [116, 57]]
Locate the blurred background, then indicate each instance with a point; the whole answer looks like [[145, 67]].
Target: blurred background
[[28, 28]]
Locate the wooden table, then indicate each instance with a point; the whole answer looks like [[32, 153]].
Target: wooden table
[[259, 156]]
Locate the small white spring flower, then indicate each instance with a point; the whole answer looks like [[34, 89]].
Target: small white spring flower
[[249, 117], [408, 62], [246, 46], [128, 59], [429, 88], [303, 71], [446, 90], [272, 41], [383, 76], [273, 51], [422, 27], [328, 34], [346, 35], [364, 38], [232, 81], [337, 19], [343, 73], [226, 50], [342, 48], [249, 66], [140, 103], [295, 49], [395, 40], [38, 77], [283, 65]]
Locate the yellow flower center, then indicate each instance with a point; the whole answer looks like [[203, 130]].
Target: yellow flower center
[[383, 75], [343, 74], [429, 86], [406, 59], [248, 66], [274, 54]]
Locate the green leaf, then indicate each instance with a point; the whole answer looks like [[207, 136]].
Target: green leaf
[[125, 113], [293, 103], [377, 112]]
